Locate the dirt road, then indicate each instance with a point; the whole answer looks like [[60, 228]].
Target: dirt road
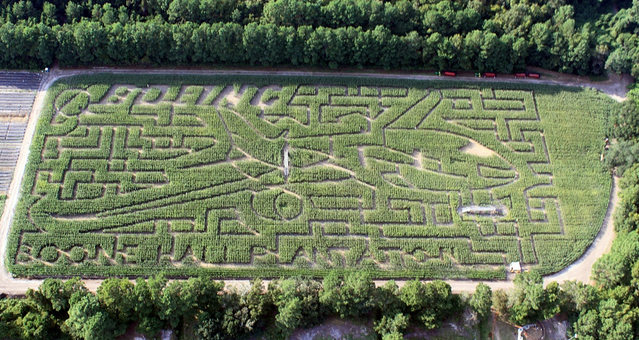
[[581, 269], [615, 87]]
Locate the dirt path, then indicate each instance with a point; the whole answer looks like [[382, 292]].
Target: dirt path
[[615, 86], [579, 270]]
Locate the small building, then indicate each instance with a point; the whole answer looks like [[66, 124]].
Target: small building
[[515, 267]]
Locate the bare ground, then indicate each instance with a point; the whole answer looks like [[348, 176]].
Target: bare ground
[[476, 149], [615, 87], [335, 329]]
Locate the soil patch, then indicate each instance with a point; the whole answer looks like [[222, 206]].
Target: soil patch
[[476, 149], [335, 329]]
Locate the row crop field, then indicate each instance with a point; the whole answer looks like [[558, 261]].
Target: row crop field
[[274, 176]]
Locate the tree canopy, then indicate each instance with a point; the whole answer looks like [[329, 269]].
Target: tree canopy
[[568, 36]]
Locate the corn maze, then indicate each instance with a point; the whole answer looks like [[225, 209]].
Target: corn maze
[[248, 176]]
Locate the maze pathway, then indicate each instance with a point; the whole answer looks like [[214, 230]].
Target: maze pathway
[[279, 179]]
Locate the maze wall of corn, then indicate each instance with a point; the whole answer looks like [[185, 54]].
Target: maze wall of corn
[[278, 176]]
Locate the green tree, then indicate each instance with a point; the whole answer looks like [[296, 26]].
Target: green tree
[[401, 17], [123, 15], [297, 302], [118, 299], [614, 268], [292, 13], [352, 297], [388, 300], [627, 214], [22, 10], [527, 298], [500, 304], [344, 13], [289, 314], [49, 15], [621, 156], [45, 310], [588, 325], [469, 57], [24, 319], [429, 303], [551, 302], [53, 295], [577, 297], [147, 311], [181, 301], [623, 59], [73, 12], [392, 327], [181, 11], [623, 121], [264, 45], [481, 301], [209, 326], [493, 53], [88, 321], [228, 41], [541, 41], [434, 52], [244, 311], [614, 324], [517, 20], [448, 18], [181, 44]]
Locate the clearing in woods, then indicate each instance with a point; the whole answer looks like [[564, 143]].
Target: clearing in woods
[[244, 176]]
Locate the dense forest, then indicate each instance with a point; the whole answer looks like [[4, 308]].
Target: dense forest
[[574, 36]]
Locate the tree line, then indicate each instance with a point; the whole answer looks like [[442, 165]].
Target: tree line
[[568, 36], [67, 310], [611, 310], [59, 310]]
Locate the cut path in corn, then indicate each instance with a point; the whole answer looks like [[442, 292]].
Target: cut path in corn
[[580, 270]]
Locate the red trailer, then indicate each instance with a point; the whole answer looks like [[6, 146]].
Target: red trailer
[[534, 75], [450, 74], [520, 75], [489, 75]]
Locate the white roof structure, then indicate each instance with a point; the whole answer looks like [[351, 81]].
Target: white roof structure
[[515, 266]]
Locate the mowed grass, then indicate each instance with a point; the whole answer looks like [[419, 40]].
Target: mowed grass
[[277, 176]]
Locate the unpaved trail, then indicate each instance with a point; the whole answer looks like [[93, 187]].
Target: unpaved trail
[[615, 86], [580, 270]]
